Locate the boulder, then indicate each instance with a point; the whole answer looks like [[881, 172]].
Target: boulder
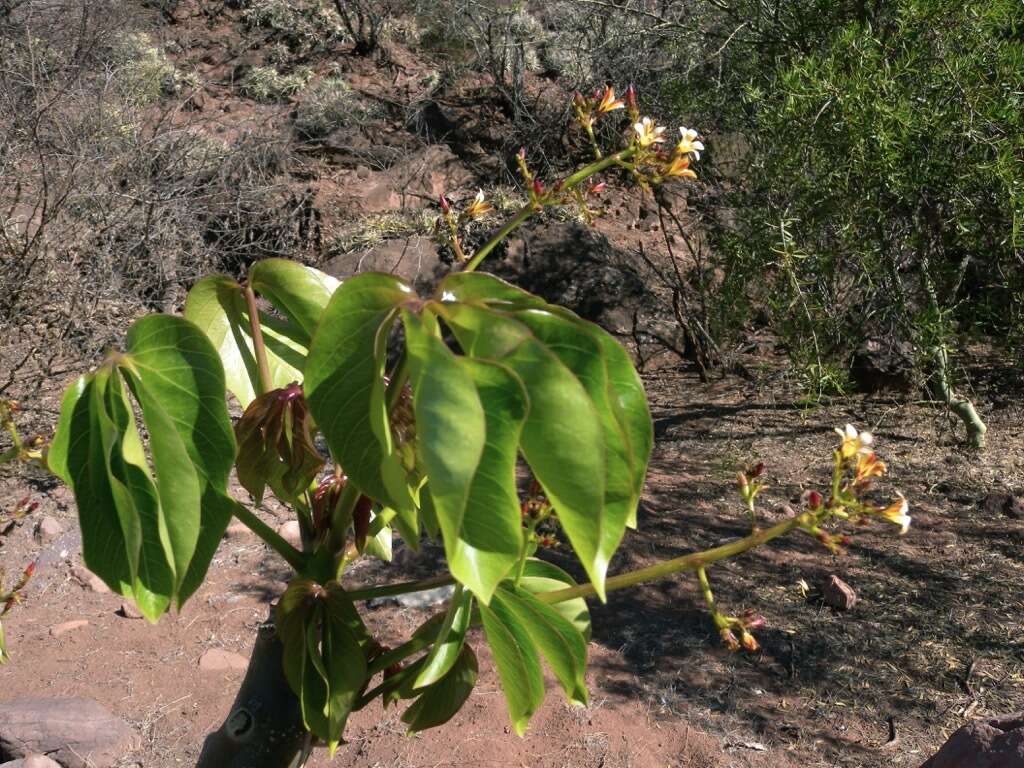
[[77, 733], [414, 259], [32, 761], [574, 266], [884, 365], [994, 742]]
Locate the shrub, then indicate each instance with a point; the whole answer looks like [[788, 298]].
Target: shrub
[[145, 74], [270, 85], [328, 105]]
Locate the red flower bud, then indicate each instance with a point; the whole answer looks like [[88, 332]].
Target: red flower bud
[[758, 469], [29, 571], [631, 97], [597, 189], [445, 205], [538, 188], [814, 500]]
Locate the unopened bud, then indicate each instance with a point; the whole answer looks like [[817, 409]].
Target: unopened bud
[[445, 205], [758, 469], [814, 500], [729, 639], [538, 188], [749, 642], [597, 189]]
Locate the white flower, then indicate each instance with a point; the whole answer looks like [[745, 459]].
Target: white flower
[[854, 442], [648, 133], [896, 513], [688, 143]]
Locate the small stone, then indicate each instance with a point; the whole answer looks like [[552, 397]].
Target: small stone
[[127, 610], [362, 172], [48, 529], [218, 660], [89, 580], [237, 530], [838, 595], [68, 626], [291, 532]]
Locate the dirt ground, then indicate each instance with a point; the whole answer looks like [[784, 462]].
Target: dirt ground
[[934, 639]]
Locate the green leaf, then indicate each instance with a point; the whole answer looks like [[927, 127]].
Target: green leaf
[[177, 377], [344, 654], [148, 542], [217, 306], [450, 640], [558, 640], [540, 576], [516, 658], [77, 457], [562, 437], [443, 699], [345, 385], [472, 478], [380, 539], [299, 292]]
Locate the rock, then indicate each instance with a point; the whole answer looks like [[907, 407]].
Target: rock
[[576, 267], [884, 365], [68, 626], [1003, 503], [127, 610], [47, 530], [995, 742], [218, 660], [428, 173], [32, 761], [415, 259], [417, 601], [74, 732], [838, 595], [89, 580], [237, 530], [291, 532]]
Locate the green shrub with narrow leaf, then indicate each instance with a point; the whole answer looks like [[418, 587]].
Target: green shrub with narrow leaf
[[427, 445]]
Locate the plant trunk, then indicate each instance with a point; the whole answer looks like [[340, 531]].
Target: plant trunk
[[264, 728], [961, 407]]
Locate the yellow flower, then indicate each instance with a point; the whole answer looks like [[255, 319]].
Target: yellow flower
[[680, 166], [896, 513], [854, 442], [868, 466], [478, 208], [648, 133], [688, 144], [608, 102]]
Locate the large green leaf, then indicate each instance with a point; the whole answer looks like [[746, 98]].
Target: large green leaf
[[345, 385], [517, 661], [76, 455], [558, 640], [562, 437], [178, 380], [217, 306], [540, 577], [439, 703], [472, 478], [151, 551], [344, 653], [450, 640], [299, 292]]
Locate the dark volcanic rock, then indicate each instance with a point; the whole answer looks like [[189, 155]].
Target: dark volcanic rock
[[574, 266], [883, 365], [77, 733], [995, 742]]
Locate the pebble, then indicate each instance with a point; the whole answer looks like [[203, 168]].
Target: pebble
[[48, 529], [292, 533], [89, 580], [237, 530], [128, 611], [218, 660], [68, 626]]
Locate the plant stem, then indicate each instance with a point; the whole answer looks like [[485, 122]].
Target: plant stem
[[403, 588], [692, 562], [273, 540], [531, 208], [259, 348]]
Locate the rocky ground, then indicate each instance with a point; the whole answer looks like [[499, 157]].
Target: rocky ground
[[934, 638]]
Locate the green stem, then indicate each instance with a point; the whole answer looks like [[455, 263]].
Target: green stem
[[530, 208], [273, 540], [259, 348], [403, 588], [692, 562]]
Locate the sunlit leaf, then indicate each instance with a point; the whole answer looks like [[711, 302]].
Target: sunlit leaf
[[450, 640], [516, 658], [299, 292]]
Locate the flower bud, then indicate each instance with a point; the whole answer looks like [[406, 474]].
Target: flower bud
[[750, 644], [729, 639], [445, 205], [538, 188], [814, 500]]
